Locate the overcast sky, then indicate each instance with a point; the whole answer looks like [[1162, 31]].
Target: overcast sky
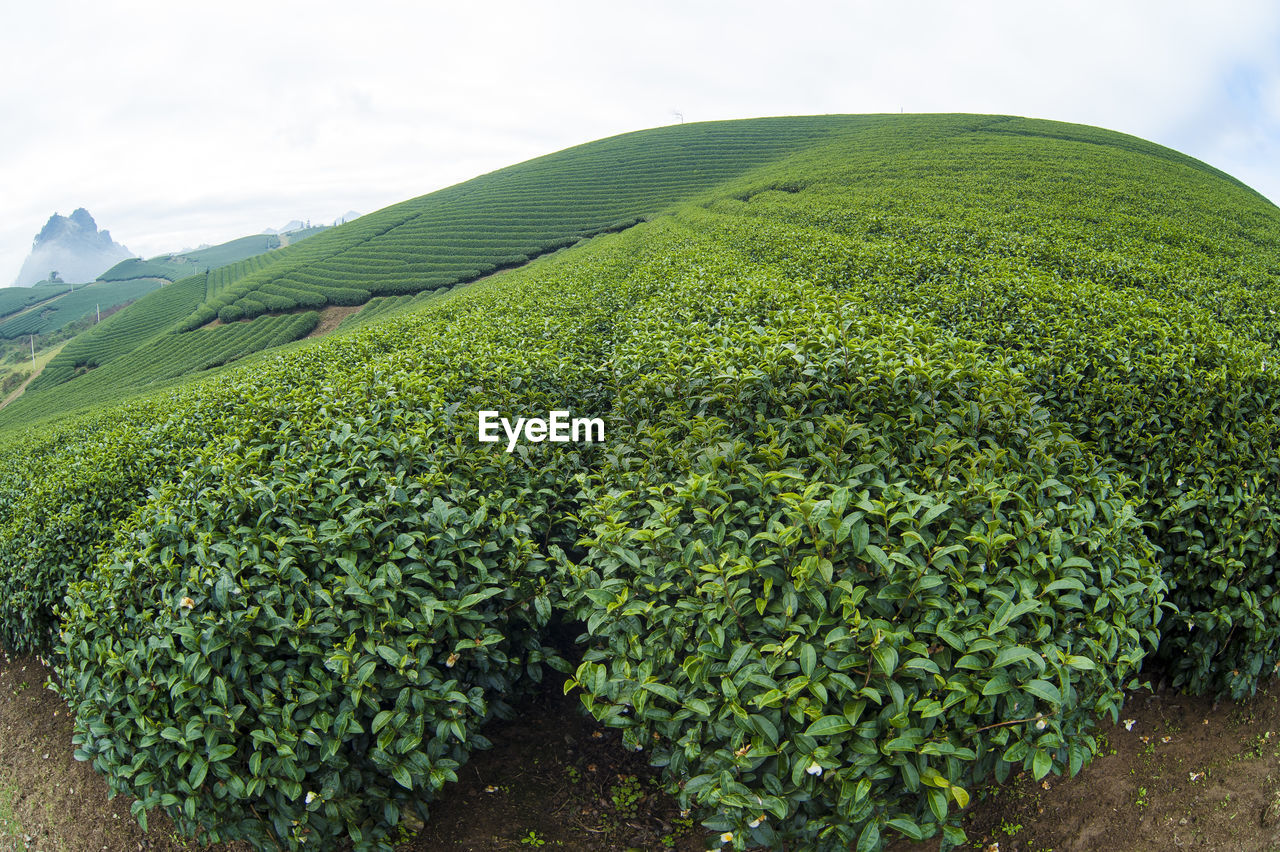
[[177, 124]]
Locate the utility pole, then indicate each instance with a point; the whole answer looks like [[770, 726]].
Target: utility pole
[[99, 313], [33, 351]]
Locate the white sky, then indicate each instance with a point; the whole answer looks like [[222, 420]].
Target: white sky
[[177, 124]]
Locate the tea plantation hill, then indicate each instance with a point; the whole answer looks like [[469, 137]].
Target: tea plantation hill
[[458, 234], [927, 436], [64, 305], [179, 265]]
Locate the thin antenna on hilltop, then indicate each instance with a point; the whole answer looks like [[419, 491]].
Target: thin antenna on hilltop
[[678, 115]]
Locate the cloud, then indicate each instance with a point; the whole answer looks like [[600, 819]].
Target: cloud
[[166, 120]]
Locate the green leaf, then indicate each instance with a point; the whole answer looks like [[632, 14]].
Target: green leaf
[[739, 656], [869, 840], [1013, 654], [765, 727], [937, 803], [859, 535], [808, 659], [662, 690], [199, 768], [1041, 763], [886, 658], [878, 556], [542, 605], [828, 726], [997, 685], [907, 828], [1043, 689]]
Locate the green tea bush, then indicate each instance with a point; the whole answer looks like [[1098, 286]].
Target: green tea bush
[[231, 313], [845, 570], [1188, 409], [302, 638], [77, 486]]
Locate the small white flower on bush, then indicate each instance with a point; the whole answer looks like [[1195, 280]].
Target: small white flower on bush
[[814, 769], [1128, 724], [311, 797], [452, 661], [187, 603], [727, 837], [1041, 724], [755, 823]]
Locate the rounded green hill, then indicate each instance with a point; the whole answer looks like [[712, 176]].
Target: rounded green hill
[[926, 438]]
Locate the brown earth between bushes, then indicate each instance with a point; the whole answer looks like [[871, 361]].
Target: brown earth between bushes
[[557, 780]]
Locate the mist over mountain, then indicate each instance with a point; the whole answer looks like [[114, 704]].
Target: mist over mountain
[[73, 247]]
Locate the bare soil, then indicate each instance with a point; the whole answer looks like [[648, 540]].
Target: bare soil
[[331, 316], [553, 777], [1175, 773]]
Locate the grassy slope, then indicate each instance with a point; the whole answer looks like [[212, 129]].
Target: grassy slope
[[15, 299], [499, 218]]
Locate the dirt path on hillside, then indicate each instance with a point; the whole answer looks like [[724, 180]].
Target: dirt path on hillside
[[41, 362], [331, 317]]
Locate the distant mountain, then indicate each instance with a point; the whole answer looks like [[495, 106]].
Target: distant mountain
[[74, 248], [299, 225], [295, 225]]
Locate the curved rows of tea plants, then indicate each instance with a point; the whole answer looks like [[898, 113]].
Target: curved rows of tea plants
[[77, 305], [905, 481], [383, 307], [501, 219], [175, 267], [121, 334], [166, 266], [168, 358], [14, 299]]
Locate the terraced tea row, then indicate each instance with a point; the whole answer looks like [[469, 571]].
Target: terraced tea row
[[504, 218], [76, 305], [14, 299], [175, 267]]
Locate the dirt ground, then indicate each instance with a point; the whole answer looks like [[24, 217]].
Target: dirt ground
[[554, 778], [331, 317], [1176, 773]]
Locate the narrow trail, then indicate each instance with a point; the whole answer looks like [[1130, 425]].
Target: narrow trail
[[41, 363]]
